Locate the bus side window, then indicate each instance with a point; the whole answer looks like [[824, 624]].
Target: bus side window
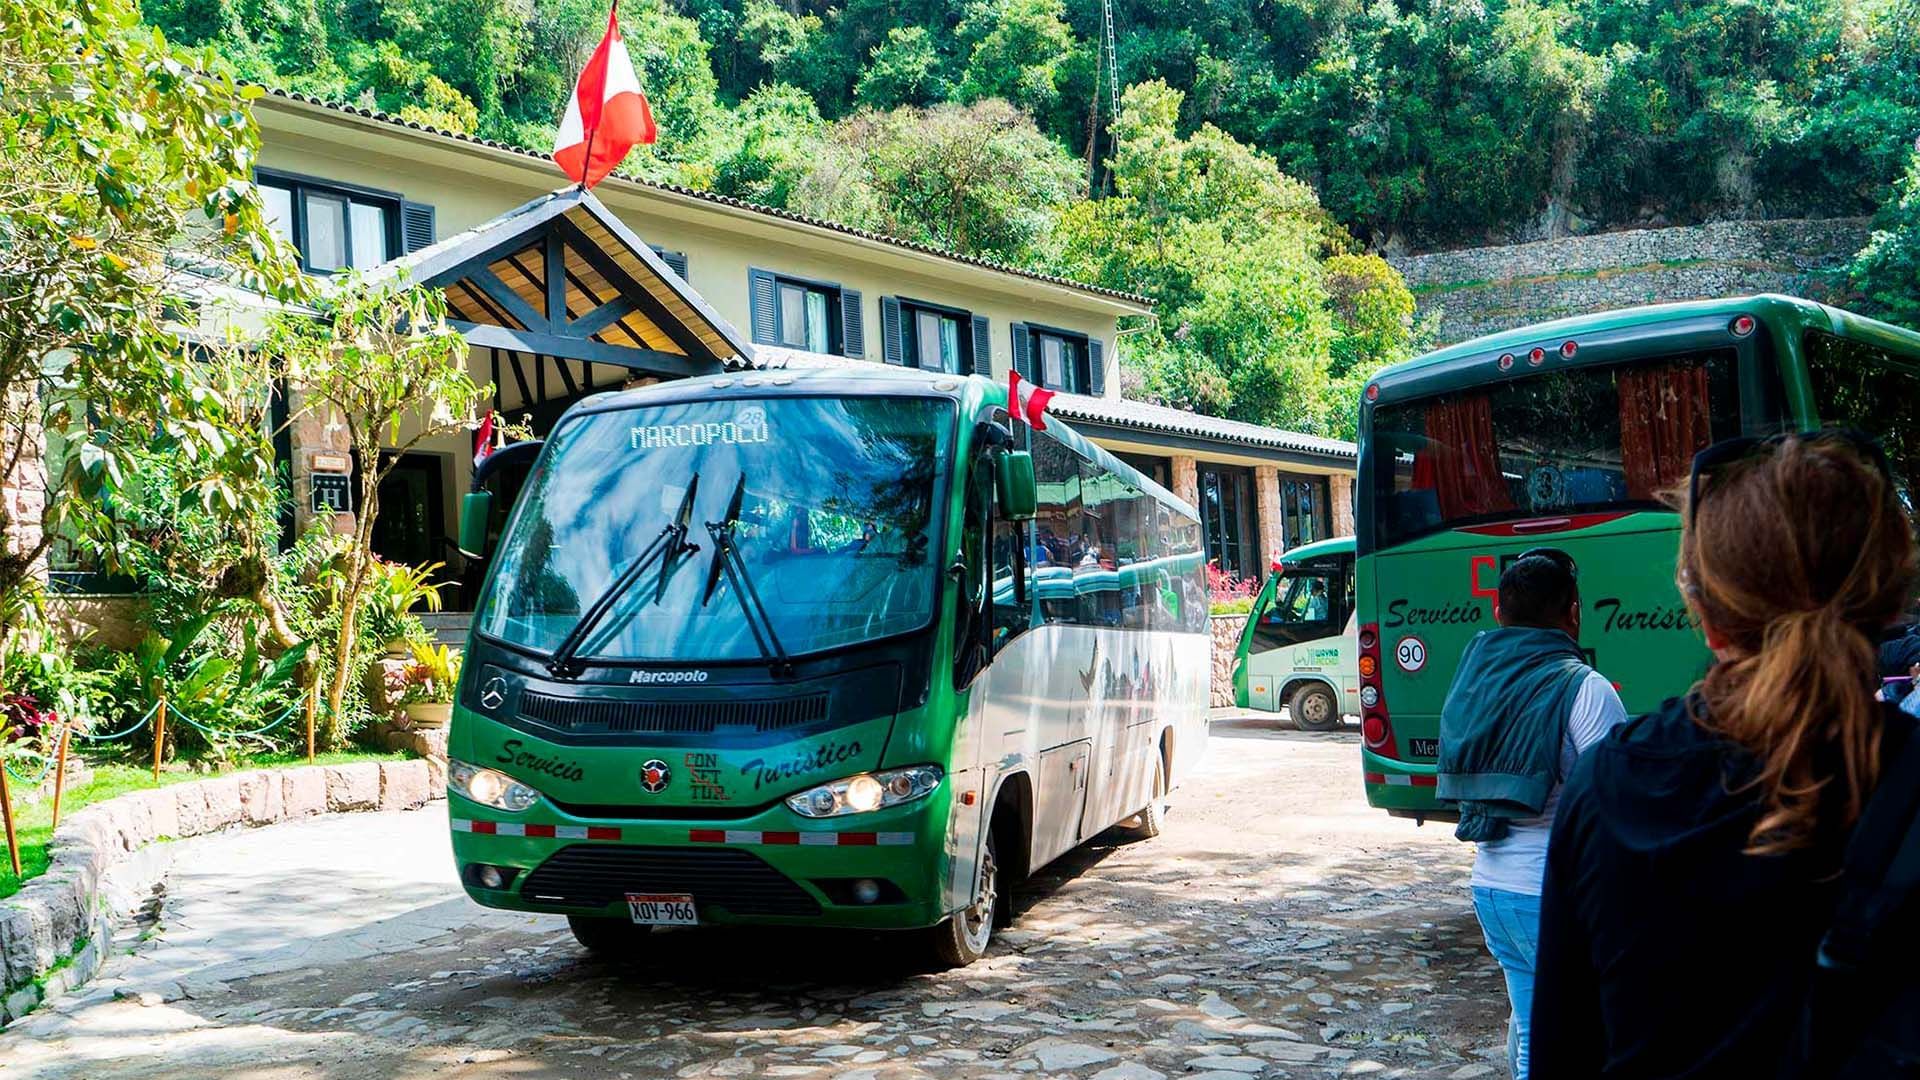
[[1009, 616], [967, 646]]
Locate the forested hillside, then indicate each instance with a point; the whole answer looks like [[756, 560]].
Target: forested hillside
[[1259, 149]]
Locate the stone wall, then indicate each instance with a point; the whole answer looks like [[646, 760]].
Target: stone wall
[[1481, 290], [1226, 641], [55, 932], [23, 493]]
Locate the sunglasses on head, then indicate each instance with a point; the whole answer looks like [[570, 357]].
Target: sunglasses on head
[[1747, 447]]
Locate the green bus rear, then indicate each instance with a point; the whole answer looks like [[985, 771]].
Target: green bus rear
[[1569, 434]]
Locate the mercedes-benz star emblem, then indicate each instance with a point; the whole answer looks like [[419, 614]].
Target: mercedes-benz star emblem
[[654, 776], [494, 692]]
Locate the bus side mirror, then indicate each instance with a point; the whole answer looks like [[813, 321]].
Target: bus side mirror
[[1014, 481], [476, 511]]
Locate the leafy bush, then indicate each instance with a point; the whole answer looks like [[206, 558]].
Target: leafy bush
[[1228, 594]]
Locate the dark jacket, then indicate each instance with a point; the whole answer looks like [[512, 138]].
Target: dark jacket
[[1665, 951], [1502, 724], [1899, 651]]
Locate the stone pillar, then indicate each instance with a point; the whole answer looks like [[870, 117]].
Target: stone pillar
[[317, 436], [1340, 503], [1266, 504], [1184, 473]]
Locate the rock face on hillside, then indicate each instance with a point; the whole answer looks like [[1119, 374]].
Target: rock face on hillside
[[1477, 291]]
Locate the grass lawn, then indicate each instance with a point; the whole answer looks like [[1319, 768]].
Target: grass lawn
[[34, 824]]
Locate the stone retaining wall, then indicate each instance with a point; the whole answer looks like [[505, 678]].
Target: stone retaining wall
[[1481, 290], [55, 931], [1226, 641]]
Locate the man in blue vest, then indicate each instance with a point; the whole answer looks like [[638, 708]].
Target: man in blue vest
[[1522, 708]]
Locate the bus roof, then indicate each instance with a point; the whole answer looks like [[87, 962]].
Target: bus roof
[[1338, 545], [1773, 307]]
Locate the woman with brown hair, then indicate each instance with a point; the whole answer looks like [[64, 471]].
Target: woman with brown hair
[[1696, 863]]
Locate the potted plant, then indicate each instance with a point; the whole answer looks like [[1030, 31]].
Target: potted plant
[[430, 682]]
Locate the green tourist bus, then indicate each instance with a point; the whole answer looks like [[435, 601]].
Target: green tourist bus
[[1299, 648], [1565, 434], [817, 648]]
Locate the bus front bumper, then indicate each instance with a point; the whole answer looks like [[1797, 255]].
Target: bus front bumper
[[880, 870], [1398, 785]]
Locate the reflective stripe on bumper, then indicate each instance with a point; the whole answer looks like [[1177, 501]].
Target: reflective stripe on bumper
[[694, 836], [1400, 779]]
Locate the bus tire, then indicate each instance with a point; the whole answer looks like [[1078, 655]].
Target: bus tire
[[1313, 708], [963, 938], [608, 939], [1147, 824]]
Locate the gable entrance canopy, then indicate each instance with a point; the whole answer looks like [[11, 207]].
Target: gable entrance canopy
[[561, 287]]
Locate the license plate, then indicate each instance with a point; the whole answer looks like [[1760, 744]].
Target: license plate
[[662, 909], [1424, 747]]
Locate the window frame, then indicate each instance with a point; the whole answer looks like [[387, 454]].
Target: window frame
[[1246, 512], [1083, 364], [962, 318], [836, 313], [299, 185]]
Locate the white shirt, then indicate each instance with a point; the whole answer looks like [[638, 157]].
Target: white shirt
[[1517, 862]]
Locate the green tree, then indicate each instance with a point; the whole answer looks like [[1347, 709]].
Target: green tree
[[978, 179], [1886, 272], [381, 361], [127, 160], [1014, 50], [904, 70]]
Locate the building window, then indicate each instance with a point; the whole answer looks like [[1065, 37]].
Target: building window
[[805, 316], [1303, 510], [1228, 518], [1060, 361], [933, 339], [334, 227]]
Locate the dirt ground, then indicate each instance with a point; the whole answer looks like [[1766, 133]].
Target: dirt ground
[[1278, 928]]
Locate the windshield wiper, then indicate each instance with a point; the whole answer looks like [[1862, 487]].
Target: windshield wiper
[[726, 558], [670, 544]]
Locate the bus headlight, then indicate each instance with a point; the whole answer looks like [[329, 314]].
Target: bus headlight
[[490, 787], [864, 792]]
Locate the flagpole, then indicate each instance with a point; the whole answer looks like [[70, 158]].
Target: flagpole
[[586, 163]]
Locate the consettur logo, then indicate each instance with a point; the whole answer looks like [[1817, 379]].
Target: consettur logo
[[652, 678]]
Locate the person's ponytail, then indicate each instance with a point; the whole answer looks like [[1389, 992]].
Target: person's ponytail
[[1795, 562]]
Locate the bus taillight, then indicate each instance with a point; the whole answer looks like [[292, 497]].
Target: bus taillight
[[1742, 325], [1375, 728]]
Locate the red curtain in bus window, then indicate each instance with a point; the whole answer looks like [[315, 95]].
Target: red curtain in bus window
[[1462, 464], [1664, 421]]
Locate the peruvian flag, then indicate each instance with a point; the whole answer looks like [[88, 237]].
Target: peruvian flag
[[607, 114], [1030, 407], [483, 440]]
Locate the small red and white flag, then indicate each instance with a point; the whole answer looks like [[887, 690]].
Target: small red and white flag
[[483, 440], [607, 115], [1031, 408]]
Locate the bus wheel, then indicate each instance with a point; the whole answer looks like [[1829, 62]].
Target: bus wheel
[[608, 939], [1147, 824], [1313, 708], [963, 938]]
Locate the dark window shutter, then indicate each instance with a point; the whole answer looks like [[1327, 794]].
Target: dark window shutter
[[891, 347], [760, 301], [1022, 358], [1097, 366], [982, 347], [676, 260], [416, 226], [853, 326]]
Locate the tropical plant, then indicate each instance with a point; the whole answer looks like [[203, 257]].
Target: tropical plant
[[432, 676], [392, 592]]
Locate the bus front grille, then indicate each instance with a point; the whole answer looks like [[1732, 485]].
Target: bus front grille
[[595, 875], [608, 716]]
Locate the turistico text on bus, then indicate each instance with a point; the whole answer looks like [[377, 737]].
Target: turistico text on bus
[[1569, 433], [818, 648], [1300, 645]]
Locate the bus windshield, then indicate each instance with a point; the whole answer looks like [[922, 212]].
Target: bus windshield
[[837, 529], [1572, 440]]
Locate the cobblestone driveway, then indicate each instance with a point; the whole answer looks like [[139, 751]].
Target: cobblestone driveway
[[1278, 928]]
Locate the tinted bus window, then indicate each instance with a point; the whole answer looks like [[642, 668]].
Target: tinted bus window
[[1573, 440], [1862, 386]]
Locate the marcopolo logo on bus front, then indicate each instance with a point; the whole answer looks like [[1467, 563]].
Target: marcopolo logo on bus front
[[747, 427]]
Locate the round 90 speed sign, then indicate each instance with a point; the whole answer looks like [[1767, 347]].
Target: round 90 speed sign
[[1410, 654]]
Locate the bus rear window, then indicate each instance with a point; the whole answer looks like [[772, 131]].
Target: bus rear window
[[1574, 440], [1862, 386]]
